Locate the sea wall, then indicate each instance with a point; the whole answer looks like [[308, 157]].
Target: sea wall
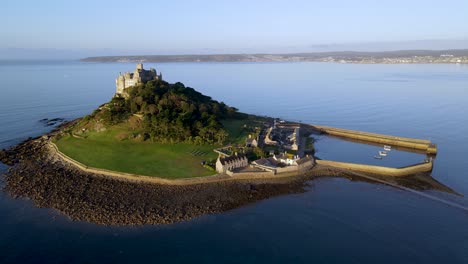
[[387, 171], [287, 169], [250, 175]]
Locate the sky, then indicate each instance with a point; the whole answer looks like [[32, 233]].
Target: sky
[[204, 26]]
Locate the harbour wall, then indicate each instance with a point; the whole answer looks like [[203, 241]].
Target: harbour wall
[[386, 171], [370, 143], [418, 144]]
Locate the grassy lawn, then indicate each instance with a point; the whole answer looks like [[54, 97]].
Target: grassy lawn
[[171, 161], [112, 150]]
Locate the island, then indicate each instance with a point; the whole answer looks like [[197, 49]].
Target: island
[[162, 152]]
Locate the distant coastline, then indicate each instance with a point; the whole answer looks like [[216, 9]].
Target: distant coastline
[[454, 56]]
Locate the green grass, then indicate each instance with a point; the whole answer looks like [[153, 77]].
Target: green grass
[[236, 130], [170, 161]]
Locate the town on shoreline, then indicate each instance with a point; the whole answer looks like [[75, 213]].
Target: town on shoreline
[[385, 57]]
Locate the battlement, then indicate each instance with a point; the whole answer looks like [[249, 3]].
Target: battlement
[[129, 79]]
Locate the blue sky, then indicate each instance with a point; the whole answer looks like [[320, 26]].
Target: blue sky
[[189, 26]]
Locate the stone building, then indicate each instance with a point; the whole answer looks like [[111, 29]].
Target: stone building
[[224, 164], [276, 164], [129, 79], [251, 142], [296, 139]]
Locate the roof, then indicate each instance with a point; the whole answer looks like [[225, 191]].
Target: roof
[[280, 156], [230, 159], [267, 162]]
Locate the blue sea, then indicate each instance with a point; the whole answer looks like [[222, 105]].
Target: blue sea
[[335, 221]]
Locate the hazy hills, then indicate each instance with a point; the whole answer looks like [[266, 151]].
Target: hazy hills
[[66, 53]]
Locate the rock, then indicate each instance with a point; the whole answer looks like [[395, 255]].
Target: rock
[[52, 122]]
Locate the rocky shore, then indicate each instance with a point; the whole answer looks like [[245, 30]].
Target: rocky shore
[[52, 183]]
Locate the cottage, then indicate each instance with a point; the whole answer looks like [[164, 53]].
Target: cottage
[[225, 164]]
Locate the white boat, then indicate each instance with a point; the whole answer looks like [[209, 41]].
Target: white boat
[[387, 148], [377, 157], [382, 153]]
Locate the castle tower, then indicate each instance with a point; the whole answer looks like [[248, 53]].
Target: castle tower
[[140, 75], [120, 84]]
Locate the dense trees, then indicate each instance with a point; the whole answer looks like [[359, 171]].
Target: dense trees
[[171, 112]]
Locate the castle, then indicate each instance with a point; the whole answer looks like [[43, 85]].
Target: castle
[[128, 79]]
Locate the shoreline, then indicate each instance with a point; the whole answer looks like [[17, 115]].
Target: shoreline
[[83, 196], [450, 56], [289, 61], [51, 182]]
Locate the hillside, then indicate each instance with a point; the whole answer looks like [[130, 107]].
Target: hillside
[[161, 129], [161, 112]]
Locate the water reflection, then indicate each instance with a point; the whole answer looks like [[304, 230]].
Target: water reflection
[[417, 182], [357, 151]]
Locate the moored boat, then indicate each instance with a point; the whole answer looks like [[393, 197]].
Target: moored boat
[[382, 153]]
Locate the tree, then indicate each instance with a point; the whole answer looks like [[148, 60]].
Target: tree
[[172, 112]]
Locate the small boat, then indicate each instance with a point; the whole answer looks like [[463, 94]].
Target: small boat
[[427, 160], [387, 148], [382, 153], [377, 157]]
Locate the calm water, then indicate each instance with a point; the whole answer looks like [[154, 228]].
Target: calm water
[[335, 221]]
